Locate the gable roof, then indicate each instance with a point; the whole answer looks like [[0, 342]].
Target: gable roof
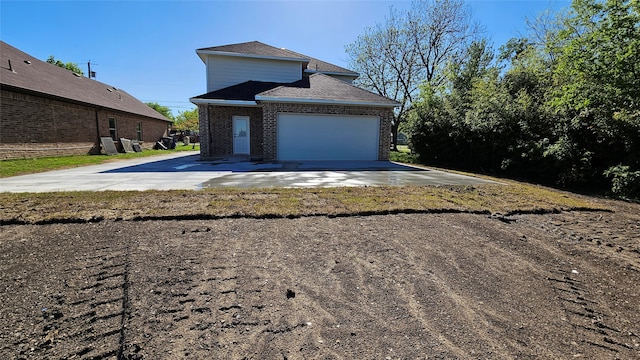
[[260, 50], [30, 75], [315, 88], [253, 49]]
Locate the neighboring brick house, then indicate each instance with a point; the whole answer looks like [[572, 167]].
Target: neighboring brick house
[[47, 110], [275, 104]]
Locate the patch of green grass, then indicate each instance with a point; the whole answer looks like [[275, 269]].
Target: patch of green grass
[[190, 147], [403, 156], [16, 167]]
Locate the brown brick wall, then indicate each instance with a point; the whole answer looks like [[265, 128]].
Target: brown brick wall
[[205, 135], [271, 111], [31, 119], [218, 127], [152, 130], [32, 126], [36, 150]]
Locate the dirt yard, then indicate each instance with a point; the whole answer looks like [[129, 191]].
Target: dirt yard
[[407, 286]]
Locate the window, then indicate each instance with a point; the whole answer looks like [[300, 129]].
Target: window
[[112, 129], [139, 131]]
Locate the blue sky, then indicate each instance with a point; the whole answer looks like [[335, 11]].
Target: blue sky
[[147, 48]]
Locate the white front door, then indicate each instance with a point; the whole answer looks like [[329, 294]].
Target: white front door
[[241, 135]]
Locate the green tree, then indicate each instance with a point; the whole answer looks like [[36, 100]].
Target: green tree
[[564, 111], [69, 65], [396, 57], [599, 67], [164, 110], [187, 120], [387, 64], [595, 90]]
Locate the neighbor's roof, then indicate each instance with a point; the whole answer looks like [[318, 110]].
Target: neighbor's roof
[[30, 75], [315, 89], [261, 50]]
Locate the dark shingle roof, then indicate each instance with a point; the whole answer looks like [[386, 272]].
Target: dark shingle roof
[[316, 88], [316, 65], [325, 88], [257, 48], [245, 91], [38, 77]]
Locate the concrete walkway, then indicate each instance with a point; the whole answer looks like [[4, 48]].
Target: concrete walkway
[[183, 170]]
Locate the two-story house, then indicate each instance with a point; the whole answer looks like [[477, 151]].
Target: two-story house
[[270, 103]]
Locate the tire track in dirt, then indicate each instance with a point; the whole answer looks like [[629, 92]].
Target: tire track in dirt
[[458, 281], [163, 301], [265, 317], [98, 304], [84, 308], [399, 286], [590, 316], [223, 309], [587, 317], [595, 301]]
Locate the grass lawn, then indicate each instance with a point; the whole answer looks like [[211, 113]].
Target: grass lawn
[[16, 167], [403, 155], [404, 149], [507, 198]]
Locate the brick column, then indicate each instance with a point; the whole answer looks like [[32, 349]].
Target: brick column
[[205, 134], [269, 131], [385, 133]]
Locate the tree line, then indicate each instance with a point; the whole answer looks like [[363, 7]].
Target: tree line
[[560, 106]]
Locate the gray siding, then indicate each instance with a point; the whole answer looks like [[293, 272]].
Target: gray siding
[[223, 71]]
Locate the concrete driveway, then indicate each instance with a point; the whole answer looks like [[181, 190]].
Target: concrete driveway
[[183, 170]]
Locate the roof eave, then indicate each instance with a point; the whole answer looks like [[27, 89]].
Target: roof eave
[[253, 56], [222, 102], [350, 74], [67, 100], [325, 101]]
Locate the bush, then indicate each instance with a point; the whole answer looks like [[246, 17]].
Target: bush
[[624, 183], [403, 157]]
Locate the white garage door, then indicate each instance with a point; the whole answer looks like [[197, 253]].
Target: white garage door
[[327, 137]]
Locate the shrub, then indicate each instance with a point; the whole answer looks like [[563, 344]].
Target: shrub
[[624, 183]]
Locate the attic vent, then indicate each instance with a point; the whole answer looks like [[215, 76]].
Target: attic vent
[[76, 74], [109, 90], [27, 62]]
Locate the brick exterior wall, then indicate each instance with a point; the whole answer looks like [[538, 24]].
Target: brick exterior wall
[[271, 111], [216, 125], [205, 134], [33, 126]]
